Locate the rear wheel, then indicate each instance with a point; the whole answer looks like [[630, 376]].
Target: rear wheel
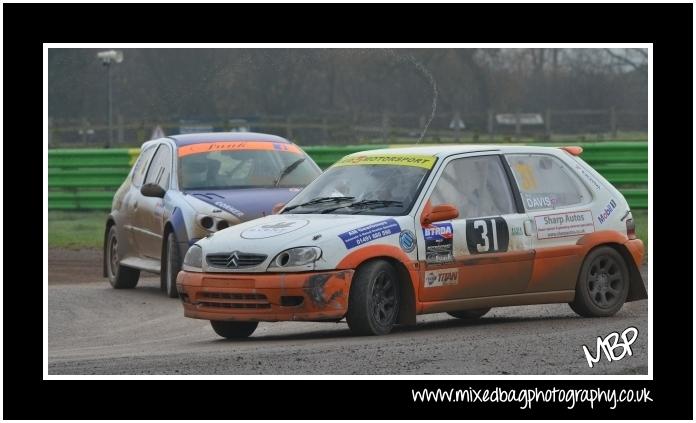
[[233, 330], [374, 299], [603, 284], [120, 277], [171, 265], [469, 314]]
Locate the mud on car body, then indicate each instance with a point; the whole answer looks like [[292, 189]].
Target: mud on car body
[[385, 235], [185, 187]]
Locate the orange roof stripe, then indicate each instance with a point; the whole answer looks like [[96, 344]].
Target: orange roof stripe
[[237, 145]]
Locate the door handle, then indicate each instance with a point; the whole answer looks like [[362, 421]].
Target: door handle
[[529, 227], [135, 205]]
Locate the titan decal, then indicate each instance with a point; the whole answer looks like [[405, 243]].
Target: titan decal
[[441, 277]]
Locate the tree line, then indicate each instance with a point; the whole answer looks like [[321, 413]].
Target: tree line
[[168, 84]]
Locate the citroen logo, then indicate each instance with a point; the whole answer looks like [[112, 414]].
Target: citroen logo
[[233, 260]]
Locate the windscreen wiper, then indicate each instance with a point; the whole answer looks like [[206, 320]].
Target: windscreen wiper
[[320, 200], [292, 166], [367, 205]]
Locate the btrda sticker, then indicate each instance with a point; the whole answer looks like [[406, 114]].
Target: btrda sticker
[[438, 242]]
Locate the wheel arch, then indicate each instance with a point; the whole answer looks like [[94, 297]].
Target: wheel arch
[[110, 221], [636, 287], [177, 225], [402, 265]]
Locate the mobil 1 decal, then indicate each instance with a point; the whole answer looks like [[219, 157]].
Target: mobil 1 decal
[[487, 235], [438, 242]]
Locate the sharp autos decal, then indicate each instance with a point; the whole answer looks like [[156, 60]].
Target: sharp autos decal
[[488, 235], [362, 235], [604, 215], [438, 242], [407, 240], [269, 230], [564, 224], [441, 277], [416, 160]]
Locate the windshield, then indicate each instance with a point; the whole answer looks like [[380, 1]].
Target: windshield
[[375, 189], [245, 169]]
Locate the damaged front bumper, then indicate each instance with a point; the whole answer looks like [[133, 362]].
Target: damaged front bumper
[[267, 297]]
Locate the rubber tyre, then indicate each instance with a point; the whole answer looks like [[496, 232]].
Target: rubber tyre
[[602, 285], [469, 314], [373, 304], [233, 330], [120, 277], [171, 265]]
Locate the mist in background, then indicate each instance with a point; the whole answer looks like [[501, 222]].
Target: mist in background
[[340, 96]]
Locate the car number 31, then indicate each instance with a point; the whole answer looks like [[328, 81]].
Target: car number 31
[[487, 235]]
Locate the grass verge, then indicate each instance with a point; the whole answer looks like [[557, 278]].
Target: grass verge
[[75, 230]]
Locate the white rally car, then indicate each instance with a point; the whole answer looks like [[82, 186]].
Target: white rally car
[[385, 235]]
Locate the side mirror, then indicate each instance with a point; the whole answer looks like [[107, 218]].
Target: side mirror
[[277, 208], [439, 213], [152, 190]]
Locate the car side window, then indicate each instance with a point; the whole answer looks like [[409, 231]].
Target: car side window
[[141, 166], [546, 183], [160, 167], [477, 186]]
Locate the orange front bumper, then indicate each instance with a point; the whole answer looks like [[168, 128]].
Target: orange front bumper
[[265, 296]]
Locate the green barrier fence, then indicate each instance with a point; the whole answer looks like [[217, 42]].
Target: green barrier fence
[[86, 179]]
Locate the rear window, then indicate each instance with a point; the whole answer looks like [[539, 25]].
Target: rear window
[[245, 169], [140, 167], [546, 183]]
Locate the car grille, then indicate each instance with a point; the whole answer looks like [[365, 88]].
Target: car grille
[[233, 300], [235, 260]]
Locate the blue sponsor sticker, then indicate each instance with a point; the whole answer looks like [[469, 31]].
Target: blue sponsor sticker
[[604, 214], [438, 242], [407, 240], [359, 236]]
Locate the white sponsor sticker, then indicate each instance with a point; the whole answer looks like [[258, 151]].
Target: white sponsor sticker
[[268, 230], [441, 277], [564, 224]]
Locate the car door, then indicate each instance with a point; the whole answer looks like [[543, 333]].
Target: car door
[[131, 198], [148, 222], [558, 205], [485, 251]]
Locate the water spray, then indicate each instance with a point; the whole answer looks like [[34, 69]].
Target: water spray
[[430, 78]]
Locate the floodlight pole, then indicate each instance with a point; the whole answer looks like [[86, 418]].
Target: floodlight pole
[[108, 83]]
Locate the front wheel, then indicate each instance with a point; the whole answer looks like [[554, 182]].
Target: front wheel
[[469, 314], [120, 277], [171, 265], [233, 330], [374, 299], [603, 284]]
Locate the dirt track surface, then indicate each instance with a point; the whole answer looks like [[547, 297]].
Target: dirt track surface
[[94, 329]]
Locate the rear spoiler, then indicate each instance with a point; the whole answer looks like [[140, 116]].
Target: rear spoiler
[[575, 150]]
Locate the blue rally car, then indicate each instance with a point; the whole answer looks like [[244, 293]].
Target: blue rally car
[[185, 187]]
